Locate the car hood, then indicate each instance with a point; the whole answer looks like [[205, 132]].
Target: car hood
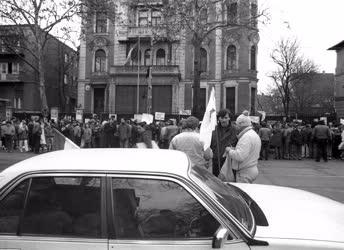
[[296, 214]]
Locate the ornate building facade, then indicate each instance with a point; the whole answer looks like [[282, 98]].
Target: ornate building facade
[[339, 79], [109, 83]]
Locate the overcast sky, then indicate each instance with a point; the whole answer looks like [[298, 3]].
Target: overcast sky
[[316, 24]]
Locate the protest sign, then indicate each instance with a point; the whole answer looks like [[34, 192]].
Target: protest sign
[[160, 116]]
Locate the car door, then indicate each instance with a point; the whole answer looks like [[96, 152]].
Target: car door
[[161, 213], [63, 211]]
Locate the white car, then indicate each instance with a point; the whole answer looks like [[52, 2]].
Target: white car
[[101, 199]]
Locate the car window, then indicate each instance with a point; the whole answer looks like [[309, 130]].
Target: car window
[[149, 209], [226, 196], [11, 208], [65, 206]]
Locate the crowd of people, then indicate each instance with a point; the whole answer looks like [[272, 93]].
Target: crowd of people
[[235, 143], [35, 135], [295, 141]]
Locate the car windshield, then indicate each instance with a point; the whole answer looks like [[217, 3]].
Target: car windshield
[[225, 195]]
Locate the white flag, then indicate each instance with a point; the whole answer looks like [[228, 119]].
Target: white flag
[[209, 120], [61, 142], [263, 113], [131, 51]]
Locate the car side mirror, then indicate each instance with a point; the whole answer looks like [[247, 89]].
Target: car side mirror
[[220, 237]]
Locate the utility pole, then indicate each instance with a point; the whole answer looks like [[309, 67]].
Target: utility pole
[[149, 80], [138, 77]]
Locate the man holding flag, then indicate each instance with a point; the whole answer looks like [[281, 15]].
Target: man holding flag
[[224, 135]]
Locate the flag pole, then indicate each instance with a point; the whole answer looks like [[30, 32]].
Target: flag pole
[[149, 82], [138, 78]]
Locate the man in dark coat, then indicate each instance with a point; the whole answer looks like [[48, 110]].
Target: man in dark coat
[[296, 142], [224, 135], [321, 135]]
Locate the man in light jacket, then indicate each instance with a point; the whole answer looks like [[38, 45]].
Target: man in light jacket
[[246, 153]]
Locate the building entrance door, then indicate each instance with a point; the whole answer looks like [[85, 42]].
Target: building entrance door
[[98, 100]]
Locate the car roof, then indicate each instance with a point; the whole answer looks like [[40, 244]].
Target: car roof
[[102, 160]]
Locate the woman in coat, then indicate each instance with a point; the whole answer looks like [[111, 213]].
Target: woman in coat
[[23, 132]]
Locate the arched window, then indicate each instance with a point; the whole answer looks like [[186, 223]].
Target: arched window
[[147, 57], [204, 61], [100, 61], [160, 57], [231, 57], [253, 58]]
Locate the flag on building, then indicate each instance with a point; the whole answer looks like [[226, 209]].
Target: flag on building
[[131, 51], [209, 120], [263, 113], [62, 143]]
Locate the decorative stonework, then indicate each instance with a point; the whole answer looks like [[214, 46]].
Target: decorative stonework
[[98, 42], [231, 36], [254, 37]]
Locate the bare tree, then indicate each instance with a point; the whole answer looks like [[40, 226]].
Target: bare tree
[[291, 70], [33, 21], [196, 21]]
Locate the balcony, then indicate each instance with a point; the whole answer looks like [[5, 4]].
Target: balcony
[[6, 51], [236, 73], [10, 78], [157, 70], [144, 32]]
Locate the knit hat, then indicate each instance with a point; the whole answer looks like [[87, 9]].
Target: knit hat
[[243, 120]]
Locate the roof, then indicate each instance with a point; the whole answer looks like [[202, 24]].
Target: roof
[[102, 160], [337, 46], [15, 26]]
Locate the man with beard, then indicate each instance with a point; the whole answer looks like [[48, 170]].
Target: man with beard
[[224, 135]]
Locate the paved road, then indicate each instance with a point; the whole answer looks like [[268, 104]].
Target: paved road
[[326, 179]]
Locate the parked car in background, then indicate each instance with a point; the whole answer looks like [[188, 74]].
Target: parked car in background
[[153, 199]]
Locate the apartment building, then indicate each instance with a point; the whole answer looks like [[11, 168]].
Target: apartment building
[[19, 83], [108, 83], [339, 79]]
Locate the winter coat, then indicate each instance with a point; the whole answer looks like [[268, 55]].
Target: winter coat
[[49, 131], [221, 138], [87, 135], [264, 134], [296, 137], [124, 131], [189, 142], [23, 132], [306, 135], [245, 156], [276, 139], [321, 132]]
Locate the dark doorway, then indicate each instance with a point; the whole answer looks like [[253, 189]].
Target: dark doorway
[[230, 99], [162, 98], [98, 100]]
